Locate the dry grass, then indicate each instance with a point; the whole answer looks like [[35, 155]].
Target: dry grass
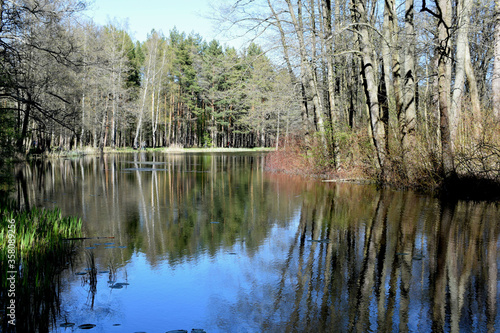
[[476, 153]]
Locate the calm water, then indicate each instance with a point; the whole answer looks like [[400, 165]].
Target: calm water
[[215, 242]]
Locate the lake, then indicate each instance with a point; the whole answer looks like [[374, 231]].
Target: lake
[[213, 241]]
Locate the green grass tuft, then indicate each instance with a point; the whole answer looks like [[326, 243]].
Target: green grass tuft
[[36, 230]]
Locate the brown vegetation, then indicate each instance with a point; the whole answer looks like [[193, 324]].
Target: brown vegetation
[[476, 160]]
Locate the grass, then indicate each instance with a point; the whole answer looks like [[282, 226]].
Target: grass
[[37, 230], [38, 255]]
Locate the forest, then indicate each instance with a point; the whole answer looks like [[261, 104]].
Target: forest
[[406, 91]]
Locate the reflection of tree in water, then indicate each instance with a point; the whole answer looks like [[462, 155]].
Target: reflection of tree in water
[[386, 261], [399, 263], [162, 205], [38, 288]]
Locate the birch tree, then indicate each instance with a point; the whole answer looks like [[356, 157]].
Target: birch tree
[[496, 64], [151, 47]]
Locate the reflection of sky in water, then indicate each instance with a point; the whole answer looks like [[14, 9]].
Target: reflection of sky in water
[[197, 292], [286, 255]]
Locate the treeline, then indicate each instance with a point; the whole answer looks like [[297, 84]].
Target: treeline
[[69, 83], [405, 89], [179, 89]]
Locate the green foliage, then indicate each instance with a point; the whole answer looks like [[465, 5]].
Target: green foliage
[[135, 59], [207, 140], [37, 230], [40, 255]]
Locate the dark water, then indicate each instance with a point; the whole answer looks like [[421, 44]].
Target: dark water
[[215, 242]]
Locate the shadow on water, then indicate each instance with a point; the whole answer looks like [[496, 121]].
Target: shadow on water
[[306, 256], [37, 290]]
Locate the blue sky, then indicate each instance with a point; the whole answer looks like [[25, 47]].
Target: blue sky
[[187, 15]]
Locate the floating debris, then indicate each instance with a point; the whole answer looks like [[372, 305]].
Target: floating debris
[[418, 257], [86, 326], [67, 325], [90, 248], [144, 169], [198, 330], [177, 331], [108, 243], [103, 272], [81, 273], [215, 222], [119, 285], [402, 254], [82, 238], [233, 253], [121, 247], [117, 324], [319, 240], [148, 162]]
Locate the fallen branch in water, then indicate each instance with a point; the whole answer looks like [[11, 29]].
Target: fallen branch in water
[[82, 238], [348, 180]]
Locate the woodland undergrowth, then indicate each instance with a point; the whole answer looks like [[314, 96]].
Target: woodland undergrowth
[[352, 158]]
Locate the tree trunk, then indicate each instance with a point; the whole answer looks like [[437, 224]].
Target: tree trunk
[[464, 70], [387, 50], [391, 55], [495, 84], [309, 75], [24, 128], [153, 118], [293, 78], [459, 86], [143, 103], [409, 106], [370, 84], [444, 79], [113, 110], [328, 58]]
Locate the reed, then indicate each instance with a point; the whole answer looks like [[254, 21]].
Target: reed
[[41, 254], [37, 230]]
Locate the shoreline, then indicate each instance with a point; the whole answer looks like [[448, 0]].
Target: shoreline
[[460, 188], [96, 151]]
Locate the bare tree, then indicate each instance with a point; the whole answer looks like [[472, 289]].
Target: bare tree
[[496, 64], [409, 88], [369, 74], [443, 15], [464, 70]]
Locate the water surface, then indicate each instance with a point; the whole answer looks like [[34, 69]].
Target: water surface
[[212, 241]]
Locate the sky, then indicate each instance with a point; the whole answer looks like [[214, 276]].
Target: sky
[[186, 15]]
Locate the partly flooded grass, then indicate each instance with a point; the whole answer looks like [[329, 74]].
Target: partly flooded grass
[[34, 252], [37, 230]]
